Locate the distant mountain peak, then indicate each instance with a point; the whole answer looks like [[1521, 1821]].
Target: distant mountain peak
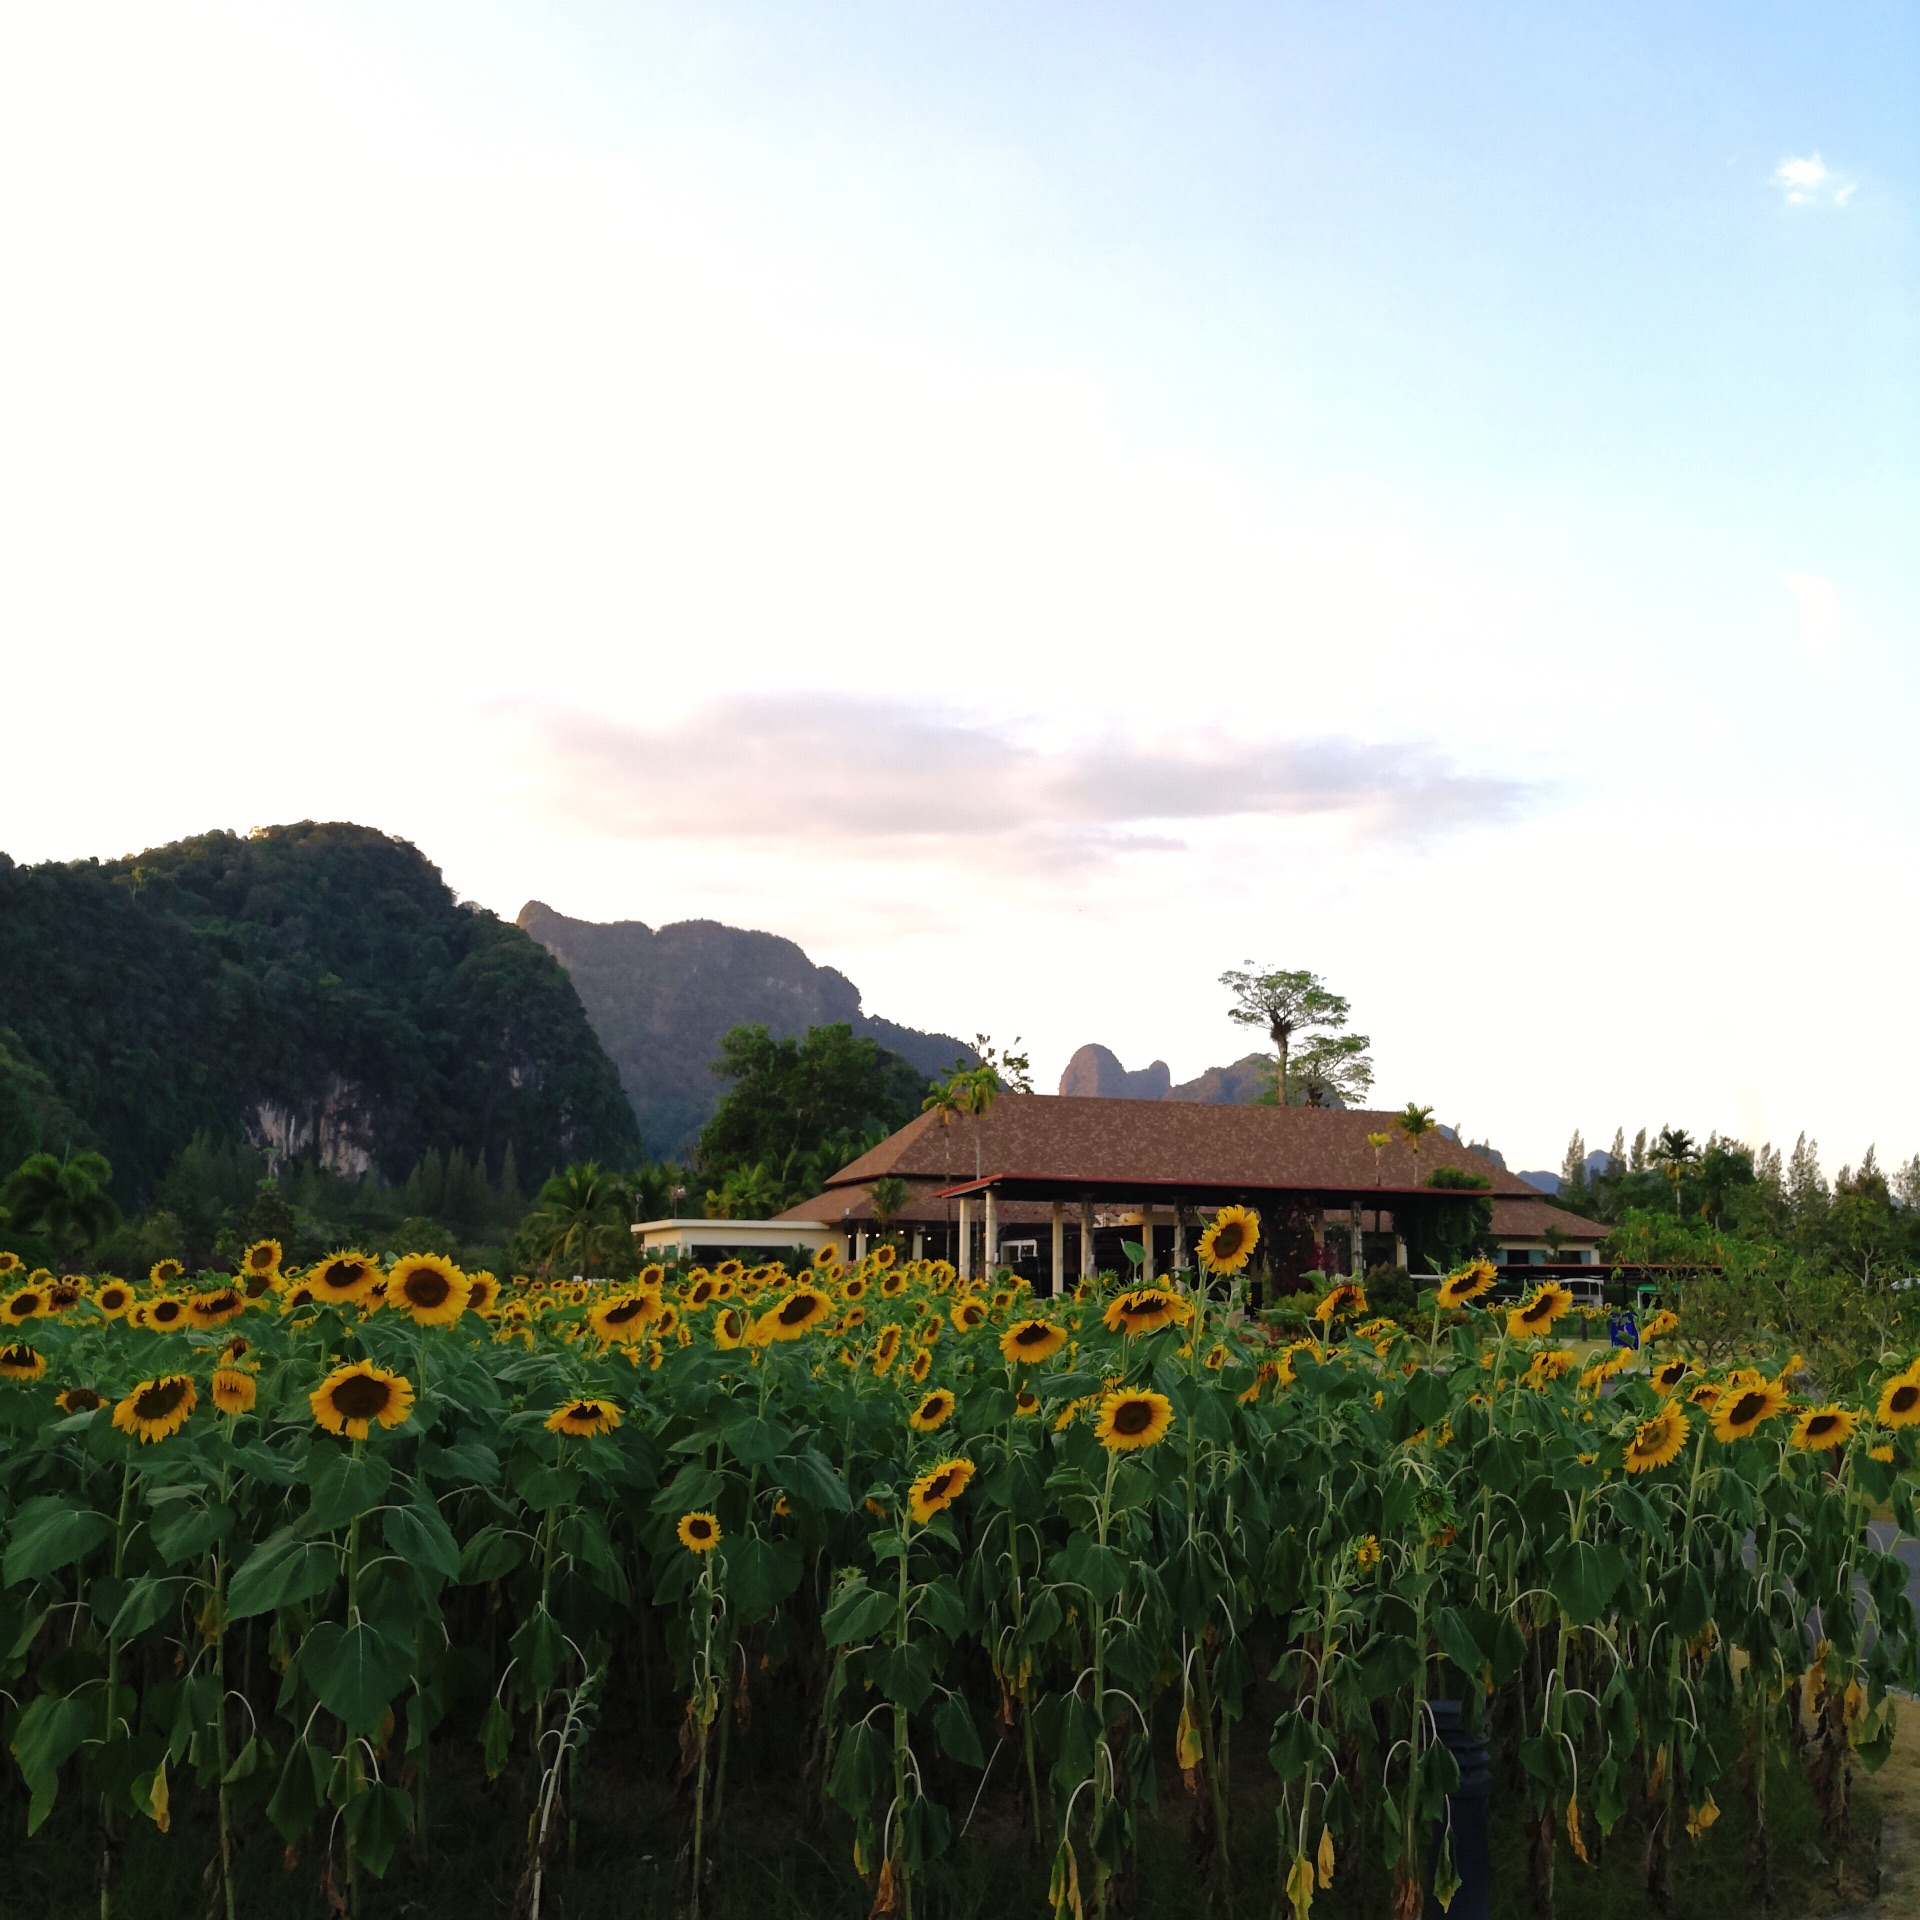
[[1095, 1072]]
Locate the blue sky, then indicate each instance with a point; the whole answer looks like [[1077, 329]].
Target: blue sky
[[1036, 503]]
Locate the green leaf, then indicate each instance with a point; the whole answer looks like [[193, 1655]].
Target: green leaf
[[281, 1570], [184, 1529], [355, 1670], [496, 1734], [544, 1487], [419, 1536], [51, 1729], [857, 1612], [1457, 1641], [491, 1554], [1583, 1580], [941, 1606], [759, 1573], [345, 1486], [466, 1463], [540, 1646], [810, 1478], [903, 1674], [148, 1601], [954, 1725], [860, 1768], [378, 1820], [51, 1533]]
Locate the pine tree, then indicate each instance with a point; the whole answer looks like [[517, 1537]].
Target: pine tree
[[1806, 1185], [1637, 1159], [1573, 1169]]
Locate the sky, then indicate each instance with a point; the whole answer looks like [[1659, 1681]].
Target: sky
[[1039, 505]]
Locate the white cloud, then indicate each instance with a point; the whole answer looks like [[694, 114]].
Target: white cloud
[[1808, 181]]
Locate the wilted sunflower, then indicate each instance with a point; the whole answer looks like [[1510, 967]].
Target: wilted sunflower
[[625, 1318], [1031, 1340], [927, 1333], [1663, 1323], [1738, 1414], [1539, 1310], [1668, 1375], [1554, 1364], [78, 1400], [1347, 1297], [938, 1488], [344, 1279], [934, 1411], [165, 1313], [699, 1532], [584, 1418], [429, 1288], [23, 1304], [21, 1362], [215, 1309], [156, 1408], [163, 1273], [1466, 1283], [1144, 1310], [233, 1390], [1821, 1427], [968, 1313], [1900, 1401], [1227, 1243], [263, 1256], [350, 1399], [1656, 1441], [804, 1307], [885, 1348], [1132, 1418], [1705, 1394], [1605, 1368], [66, 1292]]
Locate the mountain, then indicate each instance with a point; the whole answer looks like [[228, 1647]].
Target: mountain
[[1596, 1163], [661, 998], [1095, 1072], [315, 990]]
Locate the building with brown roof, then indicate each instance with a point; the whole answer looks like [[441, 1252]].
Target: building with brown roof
[[1056, 1186]]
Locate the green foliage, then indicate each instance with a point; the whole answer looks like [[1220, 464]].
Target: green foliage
[[66, 1201]]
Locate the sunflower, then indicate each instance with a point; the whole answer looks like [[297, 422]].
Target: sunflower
[[156, 1408], [1466, 1283], [1539, 1310], [10, 1263], [1025, 1403], [1228, 1243], [730, 1328], [698, 1293], [1144, 1310], [584, 1417], [919, 1367], [165, 1313], [483, 1292], [883, 1256], [263, 1256], [969, 1313], [1348, 1296], [1705, 1394], [233, 1390], [938, 1488], [21, 1362], [1605, 1369], [893, 1283], [217, 1308], [1662, 1324], [350, 1399], [699, 1532], [22, 1305], [1739, 1413], [1821, 1427], [342, 1279], [1133, 1417], [429, 1288], [1668, 1375], [934, 1411], [1900, 1401], [885, 1348], [66, 1292], [1554, 1364], [927, 1333], [1031, 1340], [731, 1271], [804, 1307], [163, 1273], [1366, 1553], [78, 1400], [1656, 1441], [625, 1318]]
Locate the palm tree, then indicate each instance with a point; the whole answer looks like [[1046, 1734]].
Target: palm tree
[[67, 1200], [1416, 1122], [1675, 1155], [1379, 1142], [577, 1221]]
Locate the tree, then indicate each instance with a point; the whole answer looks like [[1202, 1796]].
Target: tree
[[1379, 1142], [1675, 1155], [65, 1200], [747, 1193], [578, 1223], [1331, 1066], [1573, 1169], [888, 1196], [1288, 1006], [1416, 1122]]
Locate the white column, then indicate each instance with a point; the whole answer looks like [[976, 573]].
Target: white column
[[990, 1259], [1057, 1280], [1358, 1259], [1146, 1246], [919, 1243], [1086, 1239], [860, 1244], [1179, 1238], [965, 1262]]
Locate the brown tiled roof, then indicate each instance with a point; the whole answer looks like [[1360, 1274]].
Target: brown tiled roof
[[1530, 1219], [1162, 1148], [852, 1205]]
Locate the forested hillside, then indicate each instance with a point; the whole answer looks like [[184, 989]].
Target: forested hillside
[[314, 990]]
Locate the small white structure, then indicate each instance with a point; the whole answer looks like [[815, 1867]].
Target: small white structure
[[723, 1239]]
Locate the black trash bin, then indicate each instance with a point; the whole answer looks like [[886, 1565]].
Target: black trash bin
[[1467, 1805]]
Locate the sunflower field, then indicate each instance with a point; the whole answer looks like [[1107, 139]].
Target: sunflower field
[[287, 1554]]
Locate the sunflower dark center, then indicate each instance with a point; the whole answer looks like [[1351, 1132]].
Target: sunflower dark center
[[164, 1310], [1227, 1240], [1822, 1423], [1905, 1399], [427, 1287], [583, 1411], [23, 1304], [700, 1529], [1747, 1409], [342, 1274], [160, 1399], [618, 1316], [939, 1485], [1033, 1334], [361, 1397], [936, 1406], [223, 1302], [799, 1310], [16, 1356], [82, 1399], [1133, 1416]]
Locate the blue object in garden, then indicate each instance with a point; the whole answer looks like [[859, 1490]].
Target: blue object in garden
[[1467, 1811], [1623, 1328]]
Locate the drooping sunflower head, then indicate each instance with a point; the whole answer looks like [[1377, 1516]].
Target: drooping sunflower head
[[1538, 1312], [1142, 1310], [584, 1418], [1656, 1441], [1131, 1418], [1668, 1375], [66, 1292], [1348, 1297], [1662, 1324], [1554, 1364], [165, 1313], [23, 1304], [885, 1348], [919, 1367], [156, 1408], [1740, 1411], [1025, 1403], [21, 1362], [1028, 1341], [1900, 1401], [804, 1307], [215, 1309], [428, 1288], [698, 1532], [1822, 1427], [263, 1256], [1228, 1241], [934, 1411], [351, 1400], [344, 1279], [1705, 1394], [233, 1390], [1466, 1283], [164, 1273], [79, 1400], [625, 1319], [938, 1488]]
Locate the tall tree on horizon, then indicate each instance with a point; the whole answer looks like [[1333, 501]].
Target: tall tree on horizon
[[1286, 1006]]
